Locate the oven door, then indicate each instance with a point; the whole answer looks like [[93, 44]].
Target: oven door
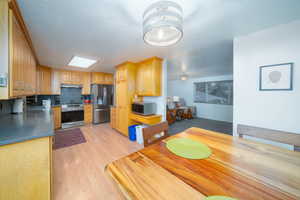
[[72, 116]]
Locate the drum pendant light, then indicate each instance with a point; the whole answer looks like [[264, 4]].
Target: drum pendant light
[[162, 25]]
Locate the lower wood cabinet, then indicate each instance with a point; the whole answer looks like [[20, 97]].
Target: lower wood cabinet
[[122, 119], [113, 117], [26, 170], [88, 113], [57, 117]]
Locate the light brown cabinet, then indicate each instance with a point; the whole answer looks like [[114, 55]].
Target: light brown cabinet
[[121, 73], [71, 77], [102, 78], [88, 113], [65, 77], [86, 83], [149, 75], [125, 90], [113, 117], [56, 117], [44, 80], [55, 81], [22, 61], [26, 170], [109, 78]]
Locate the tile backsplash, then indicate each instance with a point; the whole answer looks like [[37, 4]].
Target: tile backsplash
[[37, 100], [6, 106], [71, 96]]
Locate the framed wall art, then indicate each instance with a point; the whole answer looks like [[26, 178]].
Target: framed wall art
[[214, 92], [276, 77]]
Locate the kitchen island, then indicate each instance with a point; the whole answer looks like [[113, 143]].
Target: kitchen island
[[26, 155]]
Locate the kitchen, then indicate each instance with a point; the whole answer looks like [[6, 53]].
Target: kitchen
[[83, 104], [38, 103]]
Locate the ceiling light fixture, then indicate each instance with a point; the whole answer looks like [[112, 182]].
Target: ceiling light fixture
[[184, 77], [77, 61], [162, 24]]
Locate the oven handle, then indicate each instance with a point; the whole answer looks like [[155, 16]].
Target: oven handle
[[98, 109], [72, 110]]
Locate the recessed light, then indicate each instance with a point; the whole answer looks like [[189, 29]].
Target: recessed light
[[81, 62], [184, 77]]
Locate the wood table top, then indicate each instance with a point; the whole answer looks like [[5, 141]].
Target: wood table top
[[237, 168]]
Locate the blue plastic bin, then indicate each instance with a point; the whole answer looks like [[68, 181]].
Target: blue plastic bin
[[132, 133]]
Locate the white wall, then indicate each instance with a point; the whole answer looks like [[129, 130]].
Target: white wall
[[185, 89], [277, 110], [161, 101]]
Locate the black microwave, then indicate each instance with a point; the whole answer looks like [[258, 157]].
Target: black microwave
[[144, 108]]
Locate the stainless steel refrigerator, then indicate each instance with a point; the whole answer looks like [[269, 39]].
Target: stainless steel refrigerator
[[102, 99]]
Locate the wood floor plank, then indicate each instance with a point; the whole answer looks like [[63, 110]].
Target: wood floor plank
[[79, 169]]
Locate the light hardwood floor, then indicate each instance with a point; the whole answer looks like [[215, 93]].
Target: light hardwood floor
[[79, 169]]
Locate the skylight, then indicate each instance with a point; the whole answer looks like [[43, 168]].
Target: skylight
[[81, 62]]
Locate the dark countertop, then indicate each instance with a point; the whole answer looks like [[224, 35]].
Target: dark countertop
[[35, 123], [53, 106]]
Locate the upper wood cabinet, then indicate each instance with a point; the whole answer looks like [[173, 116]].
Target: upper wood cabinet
[[102, 78], [44, 75], [125, 90], [121, 73], [149, 75], [71, 77], [109, 78], [22, 61], [86, 83], [55, 81]]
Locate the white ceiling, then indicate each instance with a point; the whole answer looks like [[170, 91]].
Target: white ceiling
[[111, 31]]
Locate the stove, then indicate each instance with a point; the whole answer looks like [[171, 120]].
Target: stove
[[72, 115]]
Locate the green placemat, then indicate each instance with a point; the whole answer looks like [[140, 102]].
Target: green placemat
[[188, 148], [219, 198]]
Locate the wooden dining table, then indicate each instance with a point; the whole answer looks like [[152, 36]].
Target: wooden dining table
[[237, 168]]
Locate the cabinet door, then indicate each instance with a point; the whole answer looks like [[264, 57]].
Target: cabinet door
[[66, 77], [122, 119], [57, 117], [148, 81], [47, 81], [98, 78], [121, 91], [108, 78], [88, 113], [86, 83], [55, 76], [44, 80], [121, 73], [17, 84], [113, 117], [26, 170], [76, 77]]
